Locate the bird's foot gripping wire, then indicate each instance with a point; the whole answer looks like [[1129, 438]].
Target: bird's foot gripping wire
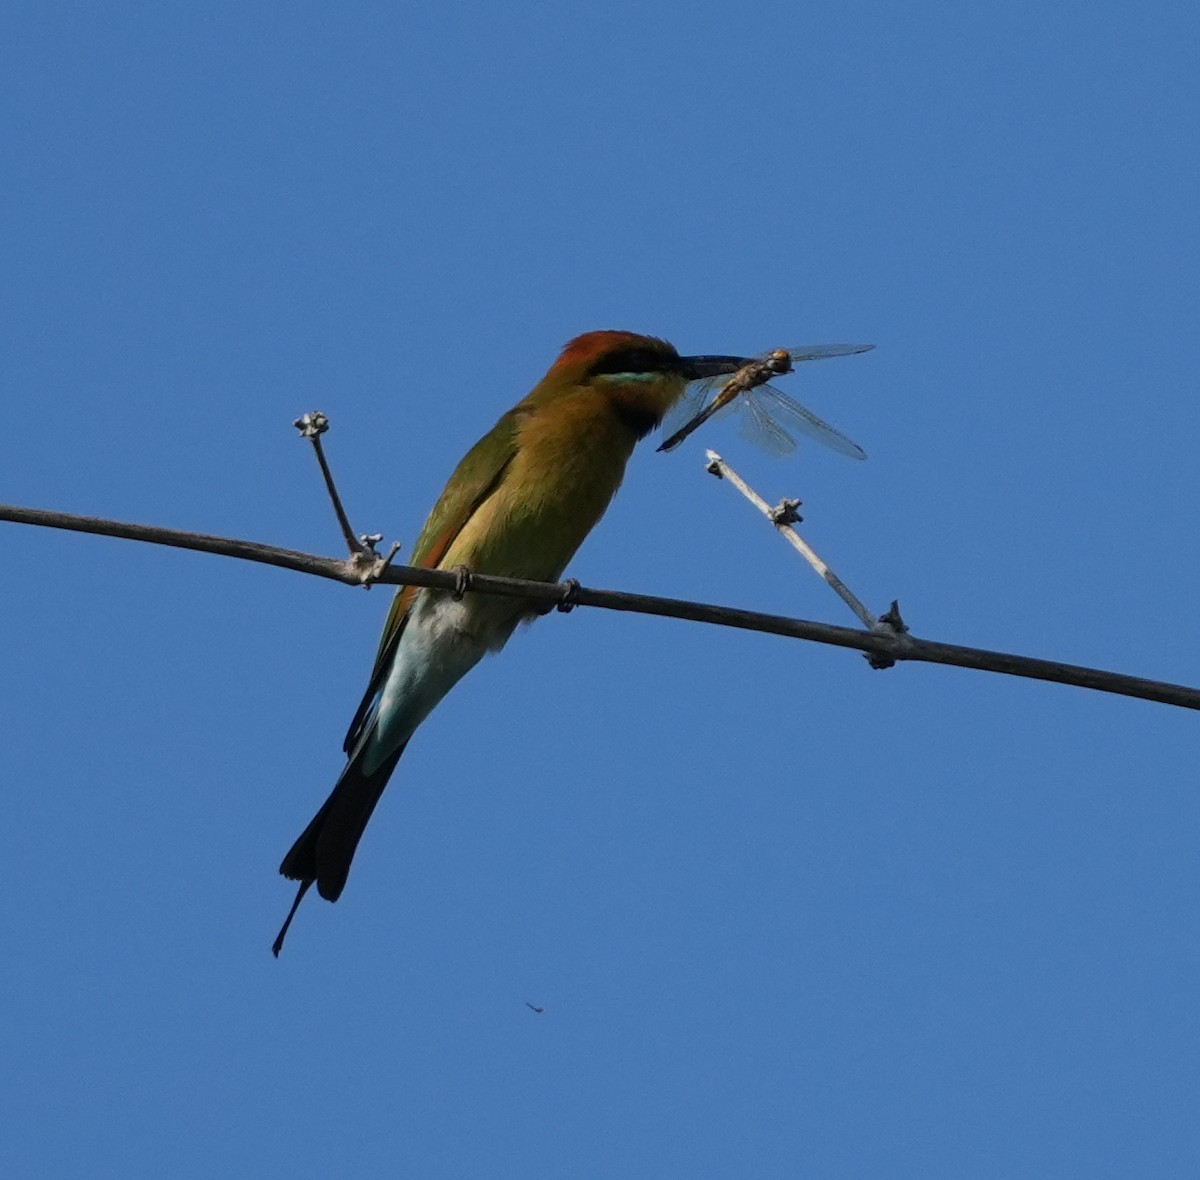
[[566, 601], [570, 592], [462, 582]]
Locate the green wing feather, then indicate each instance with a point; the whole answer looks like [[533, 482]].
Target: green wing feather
[[475, 479]]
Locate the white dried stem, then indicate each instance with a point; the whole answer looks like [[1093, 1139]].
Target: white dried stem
[[717, 466]]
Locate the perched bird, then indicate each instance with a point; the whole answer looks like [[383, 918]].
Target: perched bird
[[518, 505]]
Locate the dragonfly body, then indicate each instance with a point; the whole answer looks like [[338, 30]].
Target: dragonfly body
[[768, 414]]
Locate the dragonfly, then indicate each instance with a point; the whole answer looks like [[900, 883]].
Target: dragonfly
[[768, 416]]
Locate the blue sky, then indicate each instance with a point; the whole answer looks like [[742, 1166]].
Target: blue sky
[[787, 916]]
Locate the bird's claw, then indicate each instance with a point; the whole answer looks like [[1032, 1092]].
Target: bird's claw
[[570, 592], [462, 582]]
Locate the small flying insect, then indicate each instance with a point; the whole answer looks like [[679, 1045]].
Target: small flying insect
[[767, 414]]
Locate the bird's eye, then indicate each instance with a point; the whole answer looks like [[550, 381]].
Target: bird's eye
[[632, 360]]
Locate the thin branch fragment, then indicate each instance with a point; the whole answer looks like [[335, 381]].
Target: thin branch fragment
[[311, 426]]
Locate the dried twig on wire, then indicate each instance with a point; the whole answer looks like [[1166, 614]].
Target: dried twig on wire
[[783, 516], [363, 558]]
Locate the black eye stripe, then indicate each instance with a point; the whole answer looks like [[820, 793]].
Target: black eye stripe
[[634, 360]]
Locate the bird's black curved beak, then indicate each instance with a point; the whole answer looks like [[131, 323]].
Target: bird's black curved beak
[[696, 368]]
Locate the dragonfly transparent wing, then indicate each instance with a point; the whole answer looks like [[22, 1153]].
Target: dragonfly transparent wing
[[695, 395], [686, 408], [757, 426], [768, 403], [818, 352]]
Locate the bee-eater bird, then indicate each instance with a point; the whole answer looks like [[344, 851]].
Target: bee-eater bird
[[518, 505]]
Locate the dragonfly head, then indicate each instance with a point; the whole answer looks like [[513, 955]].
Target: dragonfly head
[[779, 361]]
